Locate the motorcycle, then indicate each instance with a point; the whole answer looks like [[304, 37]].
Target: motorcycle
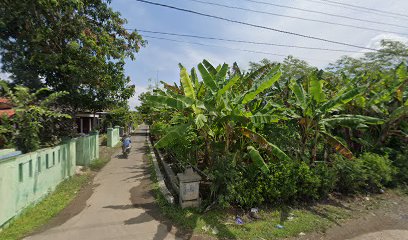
[[126, 151]]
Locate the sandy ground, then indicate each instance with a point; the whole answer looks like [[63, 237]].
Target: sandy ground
[[388, 222]]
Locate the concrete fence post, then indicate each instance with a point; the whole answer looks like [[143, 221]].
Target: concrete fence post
[[95, 135], [109, 135], [71, 156]]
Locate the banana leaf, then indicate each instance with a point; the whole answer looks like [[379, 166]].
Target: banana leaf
[[257, 159], [337, 145], [228, 86], [200, 120], [173, 135], [266, 118], [351, 120], [341, 99], [212, 71], [266, 83], [194, 78], [300, 94], [207, 78], [316, 88], [263, 143], [171, 88], [187, 84], [167, 101]]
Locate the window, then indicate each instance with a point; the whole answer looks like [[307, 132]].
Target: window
[[59, 155], [53, 158], [47, 163]]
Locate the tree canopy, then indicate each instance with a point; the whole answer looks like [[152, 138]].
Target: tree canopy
[[76, 46]]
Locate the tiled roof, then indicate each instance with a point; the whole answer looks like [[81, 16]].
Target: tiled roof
[[8, 112], [4, 100]]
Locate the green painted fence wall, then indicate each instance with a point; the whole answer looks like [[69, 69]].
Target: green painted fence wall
[[27, 178], [87, 149], [113, 136]]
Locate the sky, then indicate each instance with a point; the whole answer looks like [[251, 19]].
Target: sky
[[158, 61]]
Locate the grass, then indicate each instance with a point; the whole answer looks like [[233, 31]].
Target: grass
[[39, 214], [98, 164], [105, 155], [220, 223]]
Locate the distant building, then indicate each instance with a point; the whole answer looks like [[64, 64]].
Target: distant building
[[6, 108], [88, 121]]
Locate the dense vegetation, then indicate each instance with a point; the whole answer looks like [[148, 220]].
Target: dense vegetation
[[62, 57], [287, 132]]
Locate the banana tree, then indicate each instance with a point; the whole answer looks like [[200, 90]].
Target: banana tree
[[316, 114], [219, 108], [387, 98]]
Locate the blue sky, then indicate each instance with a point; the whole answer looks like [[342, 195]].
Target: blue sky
[[159, 58]]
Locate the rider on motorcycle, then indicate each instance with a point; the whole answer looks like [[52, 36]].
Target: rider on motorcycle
[[125, 142]]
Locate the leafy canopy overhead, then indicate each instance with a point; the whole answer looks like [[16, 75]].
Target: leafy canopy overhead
[[77, 46]]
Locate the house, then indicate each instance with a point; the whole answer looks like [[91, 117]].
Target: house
[[6, 108], [87, 121]]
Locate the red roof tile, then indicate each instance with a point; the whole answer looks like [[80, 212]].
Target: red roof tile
[[8, 112], [4, 100]]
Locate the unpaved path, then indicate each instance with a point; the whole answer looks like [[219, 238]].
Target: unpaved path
[[121, 206], [388, 222]]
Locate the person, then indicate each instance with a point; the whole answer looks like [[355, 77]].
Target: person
[[125, 142]]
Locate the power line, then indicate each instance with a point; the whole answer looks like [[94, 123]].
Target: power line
[[293, 17], [365, 8], [219, 46], [254, 25], [243, 41], [355, 9], [325, 13]]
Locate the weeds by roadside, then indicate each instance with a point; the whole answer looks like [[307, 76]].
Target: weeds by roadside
[[104, 157]]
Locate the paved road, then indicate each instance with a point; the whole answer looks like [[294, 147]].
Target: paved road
[[121, 207]]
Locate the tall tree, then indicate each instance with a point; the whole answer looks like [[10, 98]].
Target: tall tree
[[77, 46]]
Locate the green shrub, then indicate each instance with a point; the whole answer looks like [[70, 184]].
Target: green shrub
[[286, 183], [327, 176], [158, 129], [400, 161], [369, 172], [235, 184], [308, 182], [350, 176], [378, 170]]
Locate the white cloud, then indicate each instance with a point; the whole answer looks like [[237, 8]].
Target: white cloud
[[375, 42], [134, 101], [4, 76]]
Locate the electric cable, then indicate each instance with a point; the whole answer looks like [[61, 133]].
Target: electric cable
[[255, 25]]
